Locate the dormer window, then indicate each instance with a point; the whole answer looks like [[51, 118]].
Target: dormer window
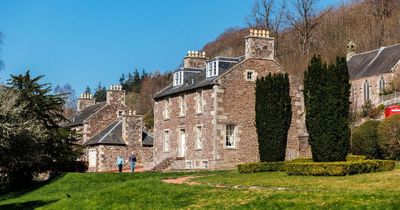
[[212, 69], [178, 78]]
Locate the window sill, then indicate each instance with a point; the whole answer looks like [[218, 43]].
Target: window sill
[[166, 119], [199, 149], [199, 113], [182, 116], [231, 148]]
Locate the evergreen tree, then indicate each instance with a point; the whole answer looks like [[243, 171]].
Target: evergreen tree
[[326, 97], [136, 81], [88, 90], [273, 116], [100, 93], [37, 142]]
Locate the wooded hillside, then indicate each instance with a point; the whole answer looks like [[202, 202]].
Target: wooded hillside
[[368, 23]]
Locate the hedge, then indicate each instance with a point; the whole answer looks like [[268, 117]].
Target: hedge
[[338, 168], [260, 167], [355, 157]]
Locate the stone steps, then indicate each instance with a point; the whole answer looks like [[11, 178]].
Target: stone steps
[[163, 165]]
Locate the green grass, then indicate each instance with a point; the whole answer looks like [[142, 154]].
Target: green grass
[[221, 189]]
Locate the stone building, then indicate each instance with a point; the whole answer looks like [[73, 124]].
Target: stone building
[[206, 117], [108, 129], [371, 73]]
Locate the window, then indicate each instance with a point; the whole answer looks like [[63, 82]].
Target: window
[[166, 108], [382, 85], [178, 78], [166, 140], [212, 69], [199, 106], [205, 164], [188, 164], [230, 136], [182, 105], [199, 136], [366, 91], [250, 76], [120, 113]]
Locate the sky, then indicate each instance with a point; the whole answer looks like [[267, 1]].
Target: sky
[[84, 42]]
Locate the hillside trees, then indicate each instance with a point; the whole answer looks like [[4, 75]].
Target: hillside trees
[[326, 97], [273, 116], [31, 138], [68, 94], [100, 93]]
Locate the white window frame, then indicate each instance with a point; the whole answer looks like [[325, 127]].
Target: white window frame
[[204, 164], [212, 68], [199, 137], [189, 164], [199, 102], [366, 91], [167, 106], [182, 105], [252, 72], [230, 136], [178, 78], [166, 140]]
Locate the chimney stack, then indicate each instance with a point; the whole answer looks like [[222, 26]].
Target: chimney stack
[[115, 95], [84, 101], [351, 50], [195, 59], [258, 44]]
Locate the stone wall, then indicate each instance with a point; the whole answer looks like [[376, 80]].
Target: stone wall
[[357, 90], [188, 122]]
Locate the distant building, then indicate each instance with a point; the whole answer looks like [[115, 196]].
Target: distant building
[[371, 73], [205, 119], [108, 129]]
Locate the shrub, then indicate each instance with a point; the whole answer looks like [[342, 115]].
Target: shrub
[[338, 168], [355, 157], [365, 140], [326, 98], [273, 116], [389, 137], [260, 167]]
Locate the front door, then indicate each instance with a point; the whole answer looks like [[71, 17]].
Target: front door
[[182, 143], [92, 157]]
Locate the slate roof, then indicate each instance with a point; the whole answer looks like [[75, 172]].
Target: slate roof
[[111, 135], [81, 116], [196, 78], [147, 139], [374, 62]]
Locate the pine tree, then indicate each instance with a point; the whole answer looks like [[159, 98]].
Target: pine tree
[[273, 116], [88, 90], [100, 93]]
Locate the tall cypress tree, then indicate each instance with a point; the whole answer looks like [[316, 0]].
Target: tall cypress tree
[[273, 116], [326, 96]]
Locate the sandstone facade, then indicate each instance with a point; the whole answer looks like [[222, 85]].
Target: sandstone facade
[[225, 123]]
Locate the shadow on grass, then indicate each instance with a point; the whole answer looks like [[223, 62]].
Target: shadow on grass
[[31, 188], [28, 205]]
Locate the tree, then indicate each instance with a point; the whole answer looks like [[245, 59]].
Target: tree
[[364, 140], [68, 94], [37, 142], [326, 97], [273, 116], [100, 93], [88, 90], [304, 20]]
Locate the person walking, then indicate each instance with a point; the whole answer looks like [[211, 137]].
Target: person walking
[[120, 163], [132, 159]]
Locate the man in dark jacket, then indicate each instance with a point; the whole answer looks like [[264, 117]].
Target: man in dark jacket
[[132, 159]]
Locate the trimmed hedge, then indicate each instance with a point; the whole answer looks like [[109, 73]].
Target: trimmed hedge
[[364, 140], [338, 168], [355, 157], [260, 167]]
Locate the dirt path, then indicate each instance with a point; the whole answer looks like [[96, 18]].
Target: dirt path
[[182, 180]]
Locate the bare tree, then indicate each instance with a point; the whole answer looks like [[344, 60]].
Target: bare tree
[[303, 18], [382, 9], [268, 14]]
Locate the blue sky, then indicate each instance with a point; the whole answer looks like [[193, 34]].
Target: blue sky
[[82, 42]]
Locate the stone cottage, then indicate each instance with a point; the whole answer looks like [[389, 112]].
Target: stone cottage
[[371, 73], [205, 119], [108, 129]]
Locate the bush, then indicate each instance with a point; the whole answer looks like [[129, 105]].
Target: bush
[[389, 138], [338, 168], [355, 157], [365, 140], [260, 167], [70, 166]]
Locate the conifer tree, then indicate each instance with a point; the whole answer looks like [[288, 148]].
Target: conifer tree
[[273, 116], [326, 97]]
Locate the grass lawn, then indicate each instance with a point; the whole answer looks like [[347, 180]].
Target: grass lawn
[[221, 189]]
